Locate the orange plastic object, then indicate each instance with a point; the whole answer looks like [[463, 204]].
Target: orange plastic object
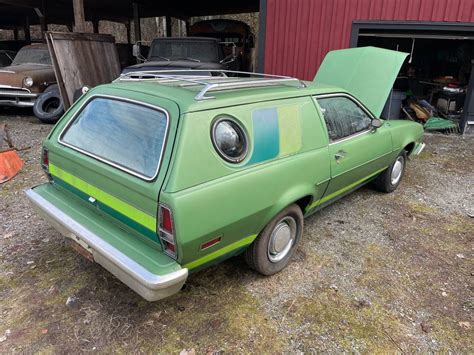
[[10, 165]]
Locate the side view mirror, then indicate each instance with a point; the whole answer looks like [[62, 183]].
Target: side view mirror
[[136, 50], [376, 123]]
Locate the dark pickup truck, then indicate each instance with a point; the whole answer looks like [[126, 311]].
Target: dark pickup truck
[[185, 53]]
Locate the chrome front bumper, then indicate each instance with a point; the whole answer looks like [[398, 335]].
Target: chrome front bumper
[[150, 286], [17, 97]]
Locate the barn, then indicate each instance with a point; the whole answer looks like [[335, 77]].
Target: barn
[[295, 35]]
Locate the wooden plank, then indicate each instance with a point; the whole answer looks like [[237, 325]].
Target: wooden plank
[[82, 59]]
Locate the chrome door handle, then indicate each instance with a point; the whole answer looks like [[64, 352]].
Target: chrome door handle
[[340, 155]]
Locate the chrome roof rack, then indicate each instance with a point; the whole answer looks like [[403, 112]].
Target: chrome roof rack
[[219, 81]]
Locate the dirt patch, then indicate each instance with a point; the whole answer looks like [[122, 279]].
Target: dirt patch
[[374, 272]]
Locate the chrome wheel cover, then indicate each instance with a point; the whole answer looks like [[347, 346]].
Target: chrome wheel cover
[[397, 171], [282, 239]]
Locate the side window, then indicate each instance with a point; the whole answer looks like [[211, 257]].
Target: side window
[[343, 117]]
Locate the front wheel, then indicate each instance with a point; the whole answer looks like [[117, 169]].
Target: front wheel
[[389, 180], [277, 242]]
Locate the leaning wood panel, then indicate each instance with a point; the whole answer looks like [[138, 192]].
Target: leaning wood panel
[[81, 59]]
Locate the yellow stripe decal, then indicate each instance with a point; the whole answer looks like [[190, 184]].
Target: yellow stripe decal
[[225, 250], [113, 202], [343, 190]]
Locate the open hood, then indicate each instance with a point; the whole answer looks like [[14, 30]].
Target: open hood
[[368, 73]]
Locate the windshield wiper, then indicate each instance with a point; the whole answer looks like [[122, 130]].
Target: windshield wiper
[[161, 57], [189, 58]]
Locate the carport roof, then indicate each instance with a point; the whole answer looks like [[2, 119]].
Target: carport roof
[[14, 12]]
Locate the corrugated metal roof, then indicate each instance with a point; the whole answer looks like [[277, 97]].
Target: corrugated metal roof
[[299, 33]]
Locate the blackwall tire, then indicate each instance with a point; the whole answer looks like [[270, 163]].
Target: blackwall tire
[[48, 107], [389, 180], [270, 252], [53, 87]]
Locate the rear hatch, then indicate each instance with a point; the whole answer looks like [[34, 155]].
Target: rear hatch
[[112, 151]]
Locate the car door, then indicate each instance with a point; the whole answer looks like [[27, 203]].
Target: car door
[[357, 151]]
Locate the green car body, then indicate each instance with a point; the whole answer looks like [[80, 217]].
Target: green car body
[[218, 207]]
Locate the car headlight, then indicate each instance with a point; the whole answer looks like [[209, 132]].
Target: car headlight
[[28, 81], [229, 139]]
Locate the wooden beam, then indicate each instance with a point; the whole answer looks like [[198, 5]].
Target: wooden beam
[[23, 3], [79, 17]]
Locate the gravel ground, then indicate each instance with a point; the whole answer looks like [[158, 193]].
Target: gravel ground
[[374, 272]]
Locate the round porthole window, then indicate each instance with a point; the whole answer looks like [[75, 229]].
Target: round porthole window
[[229, 139]]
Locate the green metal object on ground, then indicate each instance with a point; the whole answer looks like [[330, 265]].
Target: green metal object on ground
[[440, 124]]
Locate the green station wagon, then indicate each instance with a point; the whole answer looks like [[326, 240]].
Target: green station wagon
[[156, 176]]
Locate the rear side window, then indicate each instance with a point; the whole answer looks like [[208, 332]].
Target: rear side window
[[127, 135], [343, 117]]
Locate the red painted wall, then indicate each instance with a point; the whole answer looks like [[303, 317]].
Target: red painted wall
[[299, 33]]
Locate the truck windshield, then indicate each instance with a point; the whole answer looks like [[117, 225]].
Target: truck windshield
[[126, 135], [32, 56], [204, 51]]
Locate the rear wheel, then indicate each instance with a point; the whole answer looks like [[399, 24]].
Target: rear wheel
[[277, 242], [389, 180]]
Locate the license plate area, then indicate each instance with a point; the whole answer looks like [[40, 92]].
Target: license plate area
[[80, 247]]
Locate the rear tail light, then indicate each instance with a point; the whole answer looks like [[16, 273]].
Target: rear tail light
[[45, 160], [166, 231]]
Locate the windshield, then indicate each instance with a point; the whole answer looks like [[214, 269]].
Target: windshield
[[32, 56], [202, 51], [124, 134]]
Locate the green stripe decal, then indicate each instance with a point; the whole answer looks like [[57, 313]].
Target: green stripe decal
[[229, 248], [112, 202], [343, 190]]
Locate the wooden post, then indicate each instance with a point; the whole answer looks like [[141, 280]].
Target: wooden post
[[136, 22], [95, 26], [129, 35], [79, 18], [15, 33], [27, 30], [187, 28], [168, 26]]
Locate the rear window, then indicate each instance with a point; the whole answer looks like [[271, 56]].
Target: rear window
[[127, 135]]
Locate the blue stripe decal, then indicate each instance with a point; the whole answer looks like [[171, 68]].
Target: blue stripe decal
[[265, 135]]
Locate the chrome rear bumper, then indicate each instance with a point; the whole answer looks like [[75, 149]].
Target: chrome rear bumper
[[150, 286]]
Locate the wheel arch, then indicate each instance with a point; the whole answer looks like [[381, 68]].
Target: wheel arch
[[409, 147], [301, 195]]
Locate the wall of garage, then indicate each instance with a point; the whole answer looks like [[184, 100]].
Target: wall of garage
[[299, 33]]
